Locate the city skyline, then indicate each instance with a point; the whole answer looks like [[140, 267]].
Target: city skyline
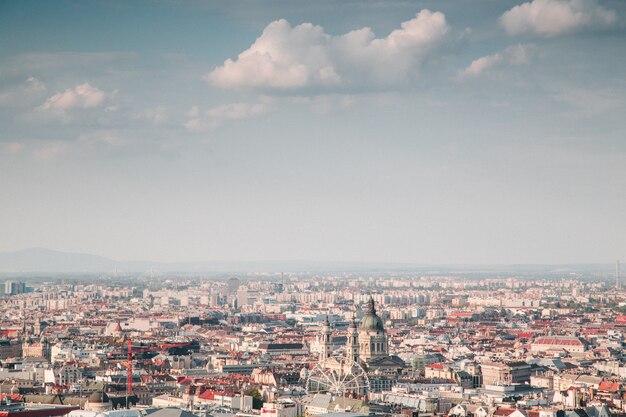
[[418, 132]]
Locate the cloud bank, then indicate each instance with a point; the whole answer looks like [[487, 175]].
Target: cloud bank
[[303, 56], [554, 17]]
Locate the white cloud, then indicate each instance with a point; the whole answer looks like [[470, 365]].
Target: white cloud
[[554, 17], [288, 58], [82, 96], [513, 55], [217, 116], [479, 65]]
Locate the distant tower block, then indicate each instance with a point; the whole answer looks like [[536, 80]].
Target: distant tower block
[[232, 286], [618, 284]]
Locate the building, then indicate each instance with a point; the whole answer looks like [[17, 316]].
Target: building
[[325, 340], [66, 374], [438, 371], [367, 345], [282, 409], [242, 297], [100, 405], [10, 349], [372, 336], [497, 373], [558, 344], [12, 405], [36, 349], [278, 349], [384, 369], [14, 287]]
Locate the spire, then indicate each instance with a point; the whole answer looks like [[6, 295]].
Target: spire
[[371, 309], [352, 322]]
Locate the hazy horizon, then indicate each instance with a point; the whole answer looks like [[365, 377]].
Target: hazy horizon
[[426, 132], [43, 261]]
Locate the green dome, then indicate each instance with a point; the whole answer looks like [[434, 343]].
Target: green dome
[[371, 321], [98, 397]]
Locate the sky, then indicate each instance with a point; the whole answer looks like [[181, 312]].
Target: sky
[[429, 132]]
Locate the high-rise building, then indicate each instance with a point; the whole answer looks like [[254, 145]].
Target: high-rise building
[[232, 286], [14, 287], [242, 297]]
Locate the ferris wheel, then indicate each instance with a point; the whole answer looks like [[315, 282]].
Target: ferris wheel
[[338, 376]]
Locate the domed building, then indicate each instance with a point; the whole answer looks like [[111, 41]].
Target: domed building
[[366, 344], [372, 335], [98, 401], [383, 369], [100, 405]]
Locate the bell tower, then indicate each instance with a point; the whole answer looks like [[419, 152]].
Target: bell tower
[[352, 345], [326, 340]]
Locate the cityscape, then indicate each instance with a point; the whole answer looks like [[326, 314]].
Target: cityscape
[[471, 343], [296, 208]]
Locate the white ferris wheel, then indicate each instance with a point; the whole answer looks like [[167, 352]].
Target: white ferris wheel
[[338, 376]]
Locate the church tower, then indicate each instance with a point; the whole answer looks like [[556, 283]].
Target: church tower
[[326, 342], [46, 348], [372, 335], [352, 345]]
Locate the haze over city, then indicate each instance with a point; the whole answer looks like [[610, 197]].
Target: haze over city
[[426, 132]]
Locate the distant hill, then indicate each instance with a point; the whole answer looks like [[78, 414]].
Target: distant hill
[[45, 260], [40, 260]]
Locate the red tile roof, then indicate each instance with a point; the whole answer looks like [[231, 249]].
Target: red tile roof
[[609, 386], [503, 412], [566, 341]]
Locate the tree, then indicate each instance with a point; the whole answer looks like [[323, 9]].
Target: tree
[[257, 398]]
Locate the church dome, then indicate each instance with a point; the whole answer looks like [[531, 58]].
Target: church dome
[[371, 321], [98, 397], [98, 401]]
